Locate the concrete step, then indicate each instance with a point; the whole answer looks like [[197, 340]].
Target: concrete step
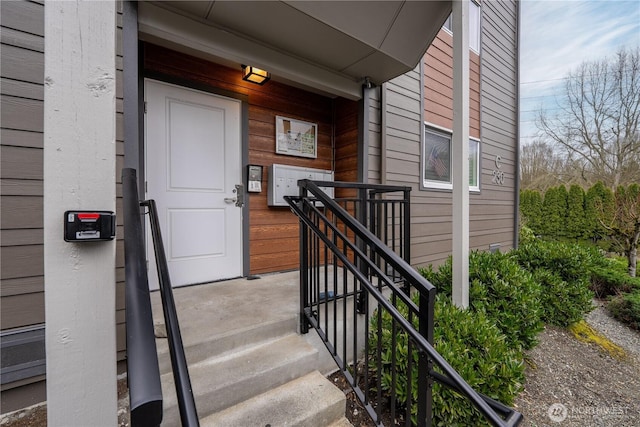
[[309, 401], [225, 380], [216, 318], [200, 346]]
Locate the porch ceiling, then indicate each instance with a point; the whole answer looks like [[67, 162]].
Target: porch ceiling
[[327, 45]]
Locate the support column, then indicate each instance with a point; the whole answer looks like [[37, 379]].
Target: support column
[[79, 173], [460, 152]]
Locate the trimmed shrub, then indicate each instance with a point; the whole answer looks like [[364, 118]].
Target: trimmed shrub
[[626, 308], [554, 212], [525, 235], [502, 290], [575, 213], [531, 209], [472, 345], [606, 281], [598, 207], [564, 272], [563, 302]]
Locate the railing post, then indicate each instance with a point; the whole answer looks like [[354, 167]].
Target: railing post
[[406, 238], [304, 267], [361, 215], [425, 328]]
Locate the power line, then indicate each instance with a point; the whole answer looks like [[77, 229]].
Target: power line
[[572, 77]]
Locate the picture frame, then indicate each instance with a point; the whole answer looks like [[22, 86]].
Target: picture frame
[[296, 137]]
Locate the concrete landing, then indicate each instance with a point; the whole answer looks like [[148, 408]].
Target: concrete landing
[[241, 342]]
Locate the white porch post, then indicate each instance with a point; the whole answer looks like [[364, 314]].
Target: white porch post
[[79, 173], [460, 150]]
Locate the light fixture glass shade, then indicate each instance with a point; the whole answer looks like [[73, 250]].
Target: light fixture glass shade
[[255, 75]]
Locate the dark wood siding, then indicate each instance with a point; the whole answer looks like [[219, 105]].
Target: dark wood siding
[[273, 232], [493, 107], [22, 95]]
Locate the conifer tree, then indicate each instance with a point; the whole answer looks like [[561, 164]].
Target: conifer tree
[[575, 213], [599, 209]]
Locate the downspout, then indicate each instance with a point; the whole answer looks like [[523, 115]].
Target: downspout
[[516, 207], [363, 133], [383, 134], [133, 96]]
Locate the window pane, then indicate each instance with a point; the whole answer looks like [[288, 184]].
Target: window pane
[[474, 26], [474, 157], [437, 164], [447, 24]]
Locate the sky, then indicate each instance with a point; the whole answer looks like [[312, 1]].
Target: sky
[[557, 36]]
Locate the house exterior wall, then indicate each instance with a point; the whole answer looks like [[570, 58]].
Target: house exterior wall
[[397, 112], [22, 127], [493, 119], [21, 234], [273, 231]]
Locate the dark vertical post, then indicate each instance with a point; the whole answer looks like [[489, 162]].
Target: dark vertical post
[[143, 373], [361, 215], [304, 265], [407, 225], [425, 398]]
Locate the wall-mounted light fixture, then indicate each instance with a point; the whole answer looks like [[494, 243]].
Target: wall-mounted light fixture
[[255, 75]]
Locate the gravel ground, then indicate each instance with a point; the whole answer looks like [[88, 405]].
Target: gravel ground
[[572, 383]]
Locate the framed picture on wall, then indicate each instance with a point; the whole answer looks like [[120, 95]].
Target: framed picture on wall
[[296, 137]]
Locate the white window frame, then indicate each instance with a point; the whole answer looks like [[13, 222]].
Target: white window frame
[[474, 26], [428, 184]]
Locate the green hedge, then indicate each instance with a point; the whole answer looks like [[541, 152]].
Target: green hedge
[[472, 344], [502, 290], [563, 272], [626, 308]]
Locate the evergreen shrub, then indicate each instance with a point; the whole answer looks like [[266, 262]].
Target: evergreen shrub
[[626, 308], [563, 271], [471, 343], [502, 290], [607, 281]]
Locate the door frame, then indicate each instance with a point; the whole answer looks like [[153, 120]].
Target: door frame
[[134, 133]]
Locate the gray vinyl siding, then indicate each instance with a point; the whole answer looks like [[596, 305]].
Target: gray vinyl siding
[[491, 210], [120, 307], [22, 95], [21, 192], [21, 202], [494, 220]]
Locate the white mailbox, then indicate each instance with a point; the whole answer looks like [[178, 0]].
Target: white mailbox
[[283, 181]]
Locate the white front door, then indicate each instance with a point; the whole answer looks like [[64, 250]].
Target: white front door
[[193, 164]]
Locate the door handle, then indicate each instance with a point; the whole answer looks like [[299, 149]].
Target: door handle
[[239, 199]]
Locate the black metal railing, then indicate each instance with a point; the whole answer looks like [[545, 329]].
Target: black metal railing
[[348, 268], [143, 373], [140, 311]]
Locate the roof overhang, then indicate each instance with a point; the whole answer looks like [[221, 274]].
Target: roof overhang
[[326, 46]]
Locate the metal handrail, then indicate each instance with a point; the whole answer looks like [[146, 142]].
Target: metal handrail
[[143, 373], [305, 208], [184, 391]]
